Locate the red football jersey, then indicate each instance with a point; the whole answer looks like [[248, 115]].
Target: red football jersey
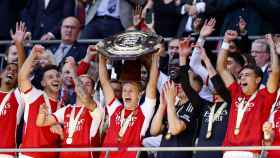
[[255, 115], [9, 119], [136, 129], [86, 130], [33, 136], [275, 120]]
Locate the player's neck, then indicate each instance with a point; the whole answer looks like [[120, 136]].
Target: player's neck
[[5, 88], [51, 95]]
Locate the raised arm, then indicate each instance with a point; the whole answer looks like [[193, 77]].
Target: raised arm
[[195, 60], [84, 97], [184, 52], [104, 80], [84, 65], [222, 58], [151, 89], [175, 125], [202, 53], [18, 37], [273, 79], [27, 68]]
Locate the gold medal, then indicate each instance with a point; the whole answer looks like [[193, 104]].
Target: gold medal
[[119, 138], [208, 135], [236, 131], [69, 140], [168, 136]]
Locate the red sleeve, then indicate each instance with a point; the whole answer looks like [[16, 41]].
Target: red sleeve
[[234, 89], [269, 99], [83, 68]]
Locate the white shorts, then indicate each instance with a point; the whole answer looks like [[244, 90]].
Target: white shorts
[[23, 156], [6, 156], [239, 154]]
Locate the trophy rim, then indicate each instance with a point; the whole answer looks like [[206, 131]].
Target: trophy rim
[[129, 54]]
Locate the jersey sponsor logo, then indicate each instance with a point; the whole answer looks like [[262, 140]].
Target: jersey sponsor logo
[[4, 112], [223, 115], [79, 126], [131, 122], [250, 106]]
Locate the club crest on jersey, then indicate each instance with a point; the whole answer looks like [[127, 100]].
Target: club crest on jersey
[[78, 127]]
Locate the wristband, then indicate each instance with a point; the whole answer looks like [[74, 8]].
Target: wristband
[[225, 45]]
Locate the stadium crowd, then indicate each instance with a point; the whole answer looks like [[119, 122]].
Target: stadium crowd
[[189, 92]]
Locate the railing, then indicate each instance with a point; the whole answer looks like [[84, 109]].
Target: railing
[[86, 41], [139, 149]]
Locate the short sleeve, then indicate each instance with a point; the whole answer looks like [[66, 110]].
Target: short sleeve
[[97, 116], [21, 105], [59, 115], [161, 80], [31, 95], [148, 108], [269, 99], [234, 89], [112, 106]]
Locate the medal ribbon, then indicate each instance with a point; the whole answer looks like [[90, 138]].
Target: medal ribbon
[[241, 110], [214, 116], [73, 121], [124, 123]]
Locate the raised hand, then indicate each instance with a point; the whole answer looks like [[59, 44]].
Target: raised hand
[[242, 24], [268, 132], [277, 44], [196, 24], [169, 91], [20, 34], [208, 27], [137, 12], [47, 37], [185, 47], [91, 52], [38, 50], [269, 40], [230, 35]]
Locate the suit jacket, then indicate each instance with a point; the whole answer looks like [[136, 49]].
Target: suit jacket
[[77, 51], [9, 14], [126, 11], [41, 20]]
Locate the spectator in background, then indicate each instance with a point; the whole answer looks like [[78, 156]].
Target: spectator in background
[[260, 51], [259, 14], [103, 18], [9, 14], [43, 17], [171, 54], [70, 29], [192, 19], [167, 16]]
